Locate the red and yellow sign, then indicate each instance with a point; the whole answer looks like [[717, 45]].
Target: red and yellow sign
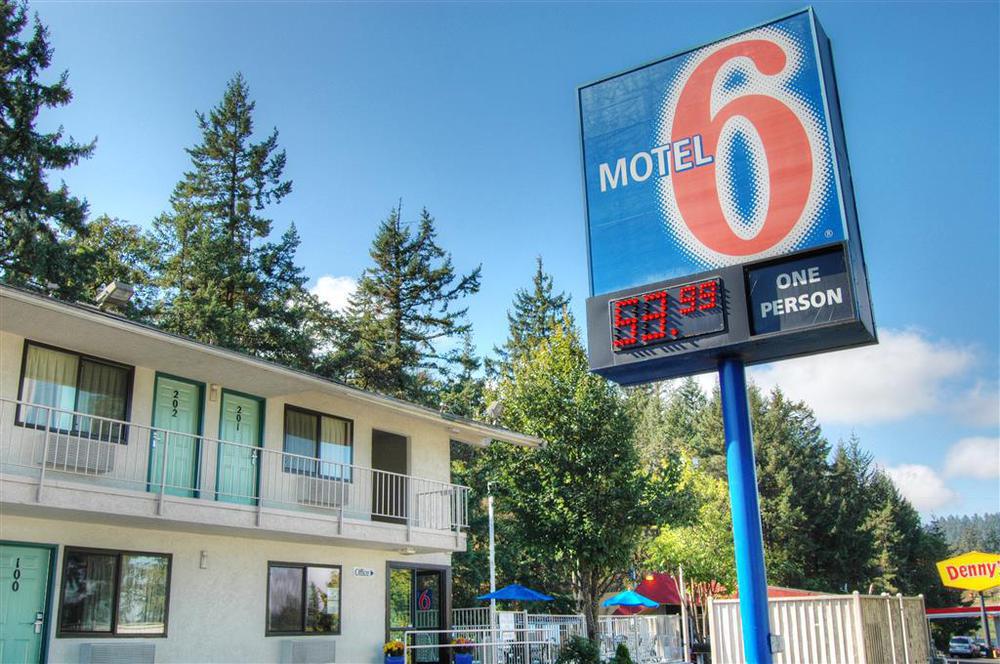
[[971, 571]]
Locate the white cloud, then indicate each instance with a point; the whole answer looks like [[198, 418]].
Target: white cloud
[[904, 375], [922, 486], [335, 291], [979, 406], [977, 457]]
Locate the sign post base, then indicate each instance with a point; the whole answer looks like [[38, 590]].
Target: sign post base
[[747, 535]]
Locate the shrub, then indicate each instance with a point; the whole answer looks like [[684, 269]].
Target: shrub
[[579, 650], [622, 655]]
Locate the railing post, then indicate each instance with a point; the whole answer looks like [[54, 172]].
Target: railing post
[[411, 505], [45, 454], [163, 470], [340, 512], [262, 479]]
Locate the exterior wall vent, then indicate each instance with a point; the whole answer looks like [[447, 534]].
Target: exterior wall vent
[[313, 651], [117, 653]]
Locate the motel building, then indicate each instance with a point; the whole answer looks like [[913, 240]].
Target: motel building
[[167, 500]]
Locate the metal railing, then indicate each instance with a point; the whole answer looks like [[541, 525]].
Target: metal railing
[[509, 646], [510, 628], [649, 638], [53, 444]]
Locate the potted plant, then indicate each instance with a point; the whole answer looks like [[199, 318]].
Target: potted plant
[[462, 647], [393, 651]]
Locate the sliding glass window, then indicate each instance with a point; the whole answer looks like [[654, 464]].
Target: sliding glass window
[[323, 444], [66, 391], [114, 593], [303, 599]]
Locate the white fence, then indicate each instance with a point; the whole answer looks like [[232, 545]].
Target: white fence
[[649, 638], [487, 646], [51, 444], [830, 629], [517, 637]]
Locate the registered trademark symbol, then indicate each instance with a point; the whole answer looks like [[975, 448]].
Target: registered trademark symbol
[[828, 234]]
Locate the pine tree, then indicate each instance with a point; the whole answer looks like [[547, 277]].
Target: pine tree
[[534, 315], [847, 547], [394, 337], [37, 220], [223, 281], [462, 394]]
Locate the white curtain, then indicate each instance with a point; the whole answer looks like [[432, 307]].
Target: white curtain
[[49, 380], [335, 447]]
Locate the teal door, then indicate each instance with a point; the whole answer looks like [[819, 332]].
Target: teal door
[[177, 406], [241, 423], [24, 587]]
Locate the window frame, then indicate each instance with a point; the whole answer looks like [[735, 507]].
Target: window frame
[[305, 581], [74, 431], [117, 553], [349, 479]]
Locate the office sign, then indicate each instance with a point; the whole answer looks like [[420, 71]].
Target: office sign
[[715, 166]]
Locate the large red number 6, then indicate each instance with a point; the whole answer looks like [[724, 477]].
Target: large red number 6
[[786, 144]]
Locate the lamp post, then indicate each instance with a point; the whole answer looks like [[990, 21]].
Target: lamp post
[[493, 571]]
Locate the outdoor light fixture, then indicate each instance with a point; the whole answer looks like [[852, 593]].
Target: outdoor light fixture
[[116, 294], [203, 560], [213, 392], [408, 551]]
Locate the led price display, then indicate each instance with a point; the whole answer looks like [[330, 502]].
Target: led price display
[[669, 314]]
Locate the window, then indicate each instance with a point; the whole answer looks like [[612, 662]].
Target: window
[[303, 599], [76, 391], [114, 593], [326, 441]]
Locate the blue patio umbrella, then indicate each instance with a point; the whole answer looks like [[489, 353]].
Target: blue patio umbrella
[[517, 592], [630, 598]]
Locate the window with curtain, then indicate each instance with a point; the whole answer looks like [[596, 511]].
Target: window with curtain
[[75, 393], [114, 593], [303, 599], [324, 444]]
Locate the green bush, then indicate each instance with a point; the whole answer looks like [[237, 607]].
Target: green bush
[[622, 655], [579, 650]]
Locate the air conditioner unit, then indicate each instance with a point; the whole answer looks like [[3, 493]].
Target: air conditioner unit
[[118, 653], [312, 651], [323, 492], [80, 455]]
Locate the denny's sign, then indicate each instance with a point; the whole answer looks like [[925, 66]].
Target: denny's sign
[[971, 571]]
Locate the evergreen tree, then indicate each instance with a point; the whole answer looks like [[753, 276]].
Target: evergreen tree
[[462, 394], [37, 220], [534, 315], [223, 281], [115, 250], [846, 548], [394, 337]]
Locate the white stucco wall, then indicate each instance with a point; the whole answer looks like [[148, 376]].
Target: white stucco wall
[[218, 614], [428, 444]]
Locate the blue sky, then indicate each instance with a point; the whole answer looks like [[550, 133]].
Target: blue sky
[[470, 110]]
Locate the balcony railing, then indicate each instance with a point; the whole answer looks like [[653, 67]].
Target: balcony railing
[[50, 443]]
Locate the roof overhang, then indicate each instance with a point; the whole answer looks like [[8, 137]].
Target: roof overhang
[[87, 329]]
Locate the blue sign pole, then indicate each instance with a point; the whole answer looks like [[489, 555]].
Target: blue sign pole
[[747, 536]]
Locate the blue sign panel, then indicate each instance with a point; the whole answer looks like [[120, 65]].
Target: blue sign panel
[[718, 156], [720, 211]]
